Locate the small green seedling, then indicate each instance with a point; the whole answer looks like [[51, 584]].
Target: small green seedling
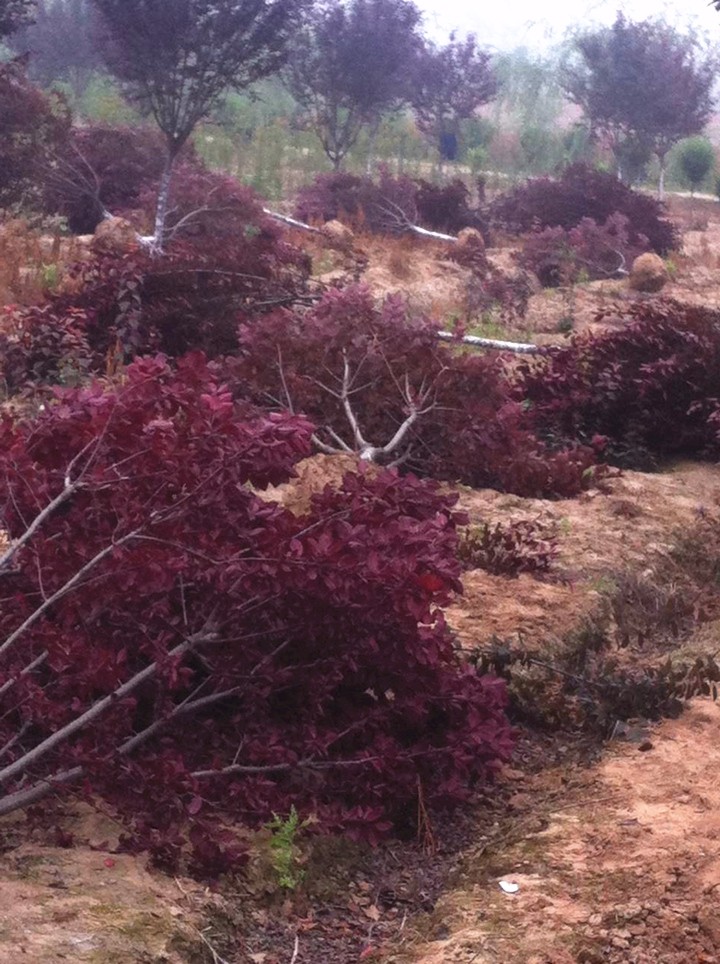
[[284, 849]]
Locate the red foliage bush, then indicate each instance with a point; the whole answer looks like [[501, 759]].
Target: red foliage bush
[[481, 436], [651, 388], [359, 201], [117, 169], [229, 262], [471, 428], [197, 655], [209, 205], [194, 296], [37, 347], [102, 168], [578, 193], [508, 549], [387, 206], [560, 256], [447, 207], [34, 127]]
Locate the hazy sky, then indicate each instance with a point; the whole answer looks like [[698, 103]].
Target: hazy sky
[[518, 23]]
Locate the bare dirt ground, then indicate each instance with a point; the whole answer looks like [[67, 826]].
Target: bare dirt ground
[[616, 863], [614, 845], [615, 860], [83, 905], [420, 270], [629, 527]]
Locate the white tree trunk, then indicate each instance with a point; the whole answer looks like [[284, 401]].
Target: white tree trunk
[[371, 148], [161, 211], [291, 222], [661, 179], [520, 348]]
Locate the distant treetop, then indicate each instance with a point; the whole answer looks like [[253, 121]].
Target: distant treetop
[[450, 83], [177, 58], [15, 14], [643, 81], [351, 64]]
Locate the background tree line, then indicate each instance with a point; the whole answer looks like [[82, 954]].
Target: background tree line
[[358, 82]]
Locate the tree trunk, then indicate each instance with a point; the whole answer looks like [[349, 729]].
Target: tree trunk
[[161, 210], [401, 155], [661, 179], [371, 147]]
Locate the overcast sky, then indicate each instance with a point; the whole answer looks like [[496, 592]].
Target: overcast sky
[[527, 23]]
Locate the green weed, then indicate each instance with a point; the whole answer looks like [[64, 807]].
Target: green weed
[[284, 849]]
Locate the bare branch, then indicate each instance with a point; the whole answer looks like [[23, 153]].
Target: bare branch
[[14, 740], [9, 683], [324, 447], [190, 705], [97, 709], [396, 219], [400, 221], [66, 588], [13, 549], [286, 390], [291, 222], [399, 436], [341, 442], [26, 797], [69, 487], [216, 958], [362, 444], [296, 950], [308, 764]]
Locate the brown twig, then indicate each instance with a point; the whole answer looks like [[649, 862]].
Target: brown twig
[[296, 950], [424, 824]]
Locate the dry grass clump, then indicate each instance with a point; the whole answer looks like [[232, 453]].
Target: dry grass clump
[[32, 263]]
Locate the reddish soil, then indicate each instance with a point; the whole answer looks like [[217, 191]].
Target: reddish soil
[[87, 905], [618, 863]]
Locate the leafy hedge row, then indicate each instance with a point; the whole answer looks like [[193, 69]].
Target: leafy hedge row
[[636, 394], [577, 195]]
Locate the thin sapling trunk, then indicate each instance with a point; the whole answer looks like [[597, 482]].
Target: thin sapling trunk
[[163, 200]]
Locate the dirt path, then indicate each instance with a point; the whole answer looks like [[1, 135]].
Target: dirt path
[[625, 869]]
